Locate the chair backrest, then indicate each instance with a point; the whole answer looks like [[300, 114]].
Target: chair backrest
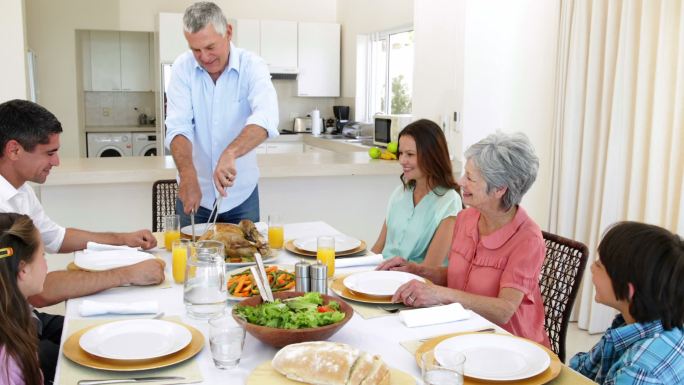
[[164, 193], [560, 279]]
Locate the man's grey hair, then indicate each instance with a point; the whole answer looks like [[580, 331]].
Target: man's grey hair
[[199, 15], [506, 160]]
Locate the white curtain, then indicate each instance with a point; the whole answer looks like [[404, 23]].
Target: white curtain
[[619, 131]]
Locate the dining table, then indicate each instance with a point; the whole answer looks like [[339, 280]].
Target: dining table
[[378, 335]]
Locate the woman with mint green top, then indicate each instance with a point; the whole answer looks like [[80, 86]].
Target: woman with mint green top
[[422, 211]]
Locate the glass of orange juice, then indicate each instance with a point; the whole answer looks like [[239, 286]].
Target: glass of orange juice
[[171, 230], [325, 252], [276, 233], [179, 258]]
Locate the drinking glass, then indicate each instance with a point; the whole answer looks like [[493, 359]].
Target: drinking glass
[[325, 252], [226, 339], [171, 230], [447, 373], [204, 291], [179, 258], [276, 233]]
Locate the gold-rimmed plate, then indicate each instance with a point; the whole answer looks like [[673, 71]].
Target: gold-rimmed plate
[[73, 351], [547, 375], [289, 246], [338, 288]]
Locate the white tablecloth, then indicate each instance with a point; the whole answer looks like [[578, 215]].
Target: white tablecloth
[[377, 335]]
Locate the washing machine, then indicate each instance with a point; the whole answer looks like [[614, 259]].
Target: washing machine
[[109, 144], [144, 144]]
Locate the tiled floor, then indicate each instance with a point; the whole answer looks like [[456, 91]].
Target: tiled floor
[[578, 340]]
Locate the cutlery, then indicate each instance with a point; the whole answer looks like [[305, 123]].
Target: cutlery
[[192, 224], [215, 212], [129, 380], [263, 277]]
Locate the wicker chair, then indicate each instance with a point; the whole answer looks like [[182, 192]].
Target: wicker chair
[[164, 193], [560, 279]]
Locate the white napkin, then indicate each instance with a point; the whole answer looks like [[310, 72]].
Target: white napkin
[[90, 308], [371, 259], [108, 259], [94, 246], [434, 315]]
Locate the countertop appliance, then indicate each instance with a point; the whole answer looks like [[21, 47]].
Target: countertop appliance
[[301, 125], [387, 128], [109, 144], [341, 117], [144, 144]]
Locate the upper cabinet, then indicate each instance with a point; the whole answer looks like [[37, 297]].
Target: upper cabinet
[[119, 61], [279, 45], [172, 41], [247, 33], [319, 60]]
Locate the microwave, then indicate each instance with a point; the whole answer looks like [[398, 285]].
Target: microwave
[[387, 128]]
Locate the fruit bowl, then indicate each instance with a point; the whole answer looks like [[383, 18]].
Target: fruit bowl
[[282, 337]]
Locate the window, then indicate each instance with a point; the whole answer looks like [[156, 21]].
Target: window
[[384, 74]]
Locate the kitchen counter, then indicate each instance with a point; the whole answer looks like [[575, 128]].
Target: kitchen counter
[[146, 128]]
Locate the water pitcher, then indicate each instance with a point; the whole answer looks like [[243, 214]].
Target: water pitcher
[[204, 292]]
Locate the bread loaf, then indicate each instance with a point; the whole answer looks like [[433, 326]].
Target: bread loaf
[[330, 363]]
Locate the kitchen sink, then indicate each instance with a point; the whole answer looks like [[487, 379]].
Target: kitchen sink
[[331, 136]]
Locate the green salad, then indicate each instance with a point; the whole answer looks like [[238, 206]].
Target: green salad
[[306, 311]]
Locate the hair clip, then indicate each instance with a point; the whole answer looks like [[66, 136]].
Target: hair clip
[[6, 252]]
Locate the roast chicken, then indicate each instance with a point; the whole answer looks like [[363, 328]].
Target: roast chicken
[[241, 241]]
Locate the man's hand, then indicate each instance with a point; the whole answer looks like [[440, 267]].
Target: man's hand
[[225, 172], [140, 238], [148, 272], [189, 194]]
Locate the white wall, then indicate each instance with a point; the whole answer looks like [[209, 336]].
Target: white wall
[[13, 63], [509, 74], [51, 31], [493, 61]]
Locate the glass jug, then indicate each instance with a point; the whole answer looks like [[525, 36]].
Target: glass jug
[[204, 291]]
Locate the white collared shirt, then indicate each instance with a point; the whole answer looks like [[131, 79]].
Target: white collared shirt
[[24, 201], [211, 115]]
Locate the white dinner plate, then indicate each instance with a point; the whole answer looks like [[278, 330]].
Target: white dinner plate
[[495, 357], [136, 339], [342, 243], [378, 283], [108, 259], [200, 228]]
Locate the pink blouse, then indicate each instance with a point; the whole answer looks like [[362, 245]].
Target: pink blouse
[[510, 257]]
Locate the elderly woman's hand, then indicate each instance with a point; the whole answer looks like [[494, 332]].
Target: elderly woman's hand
[[396, 263], [419, 294]]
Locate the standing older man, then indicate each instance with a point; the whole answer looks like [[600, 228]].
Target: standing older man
[[221, 105], [29, 144]]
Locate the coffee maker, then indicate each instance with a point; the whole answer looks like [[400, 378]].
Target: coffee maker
[[341, 117]]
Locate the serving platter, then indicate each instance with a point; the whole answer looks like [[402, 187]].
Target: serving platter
[[200, 228], [135, 339], [73, 351], [289, 246], [552, 370], [264, 374]]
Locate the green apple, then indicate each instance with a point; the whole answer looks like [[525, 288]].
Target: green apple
[[374, 152], [393, 147]]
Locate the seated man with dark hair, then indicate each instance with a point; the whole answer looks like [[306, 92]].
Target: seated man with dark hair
[[639, 272]]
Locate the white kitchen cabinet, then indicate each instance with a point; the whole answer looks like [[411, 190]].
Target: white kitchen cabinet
[[172, 41], [119, 61], [247, 34], [319, 59], [278, 43]]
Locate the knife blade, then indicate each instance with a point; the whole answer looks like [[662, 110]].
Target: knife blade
[[192, 224], [129, 380]]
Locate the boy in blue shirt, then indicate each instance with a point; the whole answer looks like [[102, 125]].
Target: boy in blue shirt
[[639, 272]]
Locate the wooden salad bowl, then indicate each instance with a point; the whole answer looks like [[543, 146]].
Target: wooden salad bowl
[[282, 337]]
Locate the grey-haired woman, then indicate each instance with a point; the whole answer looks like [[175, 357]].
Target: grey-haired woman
[[496, 250]]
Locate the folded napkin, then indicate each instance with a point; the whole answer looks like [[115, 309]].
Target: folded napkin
[[90, 308], [108, 259], [94, 246], [434, 315], [372, 259]]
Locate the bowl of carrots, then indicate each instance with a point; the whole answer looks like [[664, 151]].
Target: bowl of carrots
[[241, 282]]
